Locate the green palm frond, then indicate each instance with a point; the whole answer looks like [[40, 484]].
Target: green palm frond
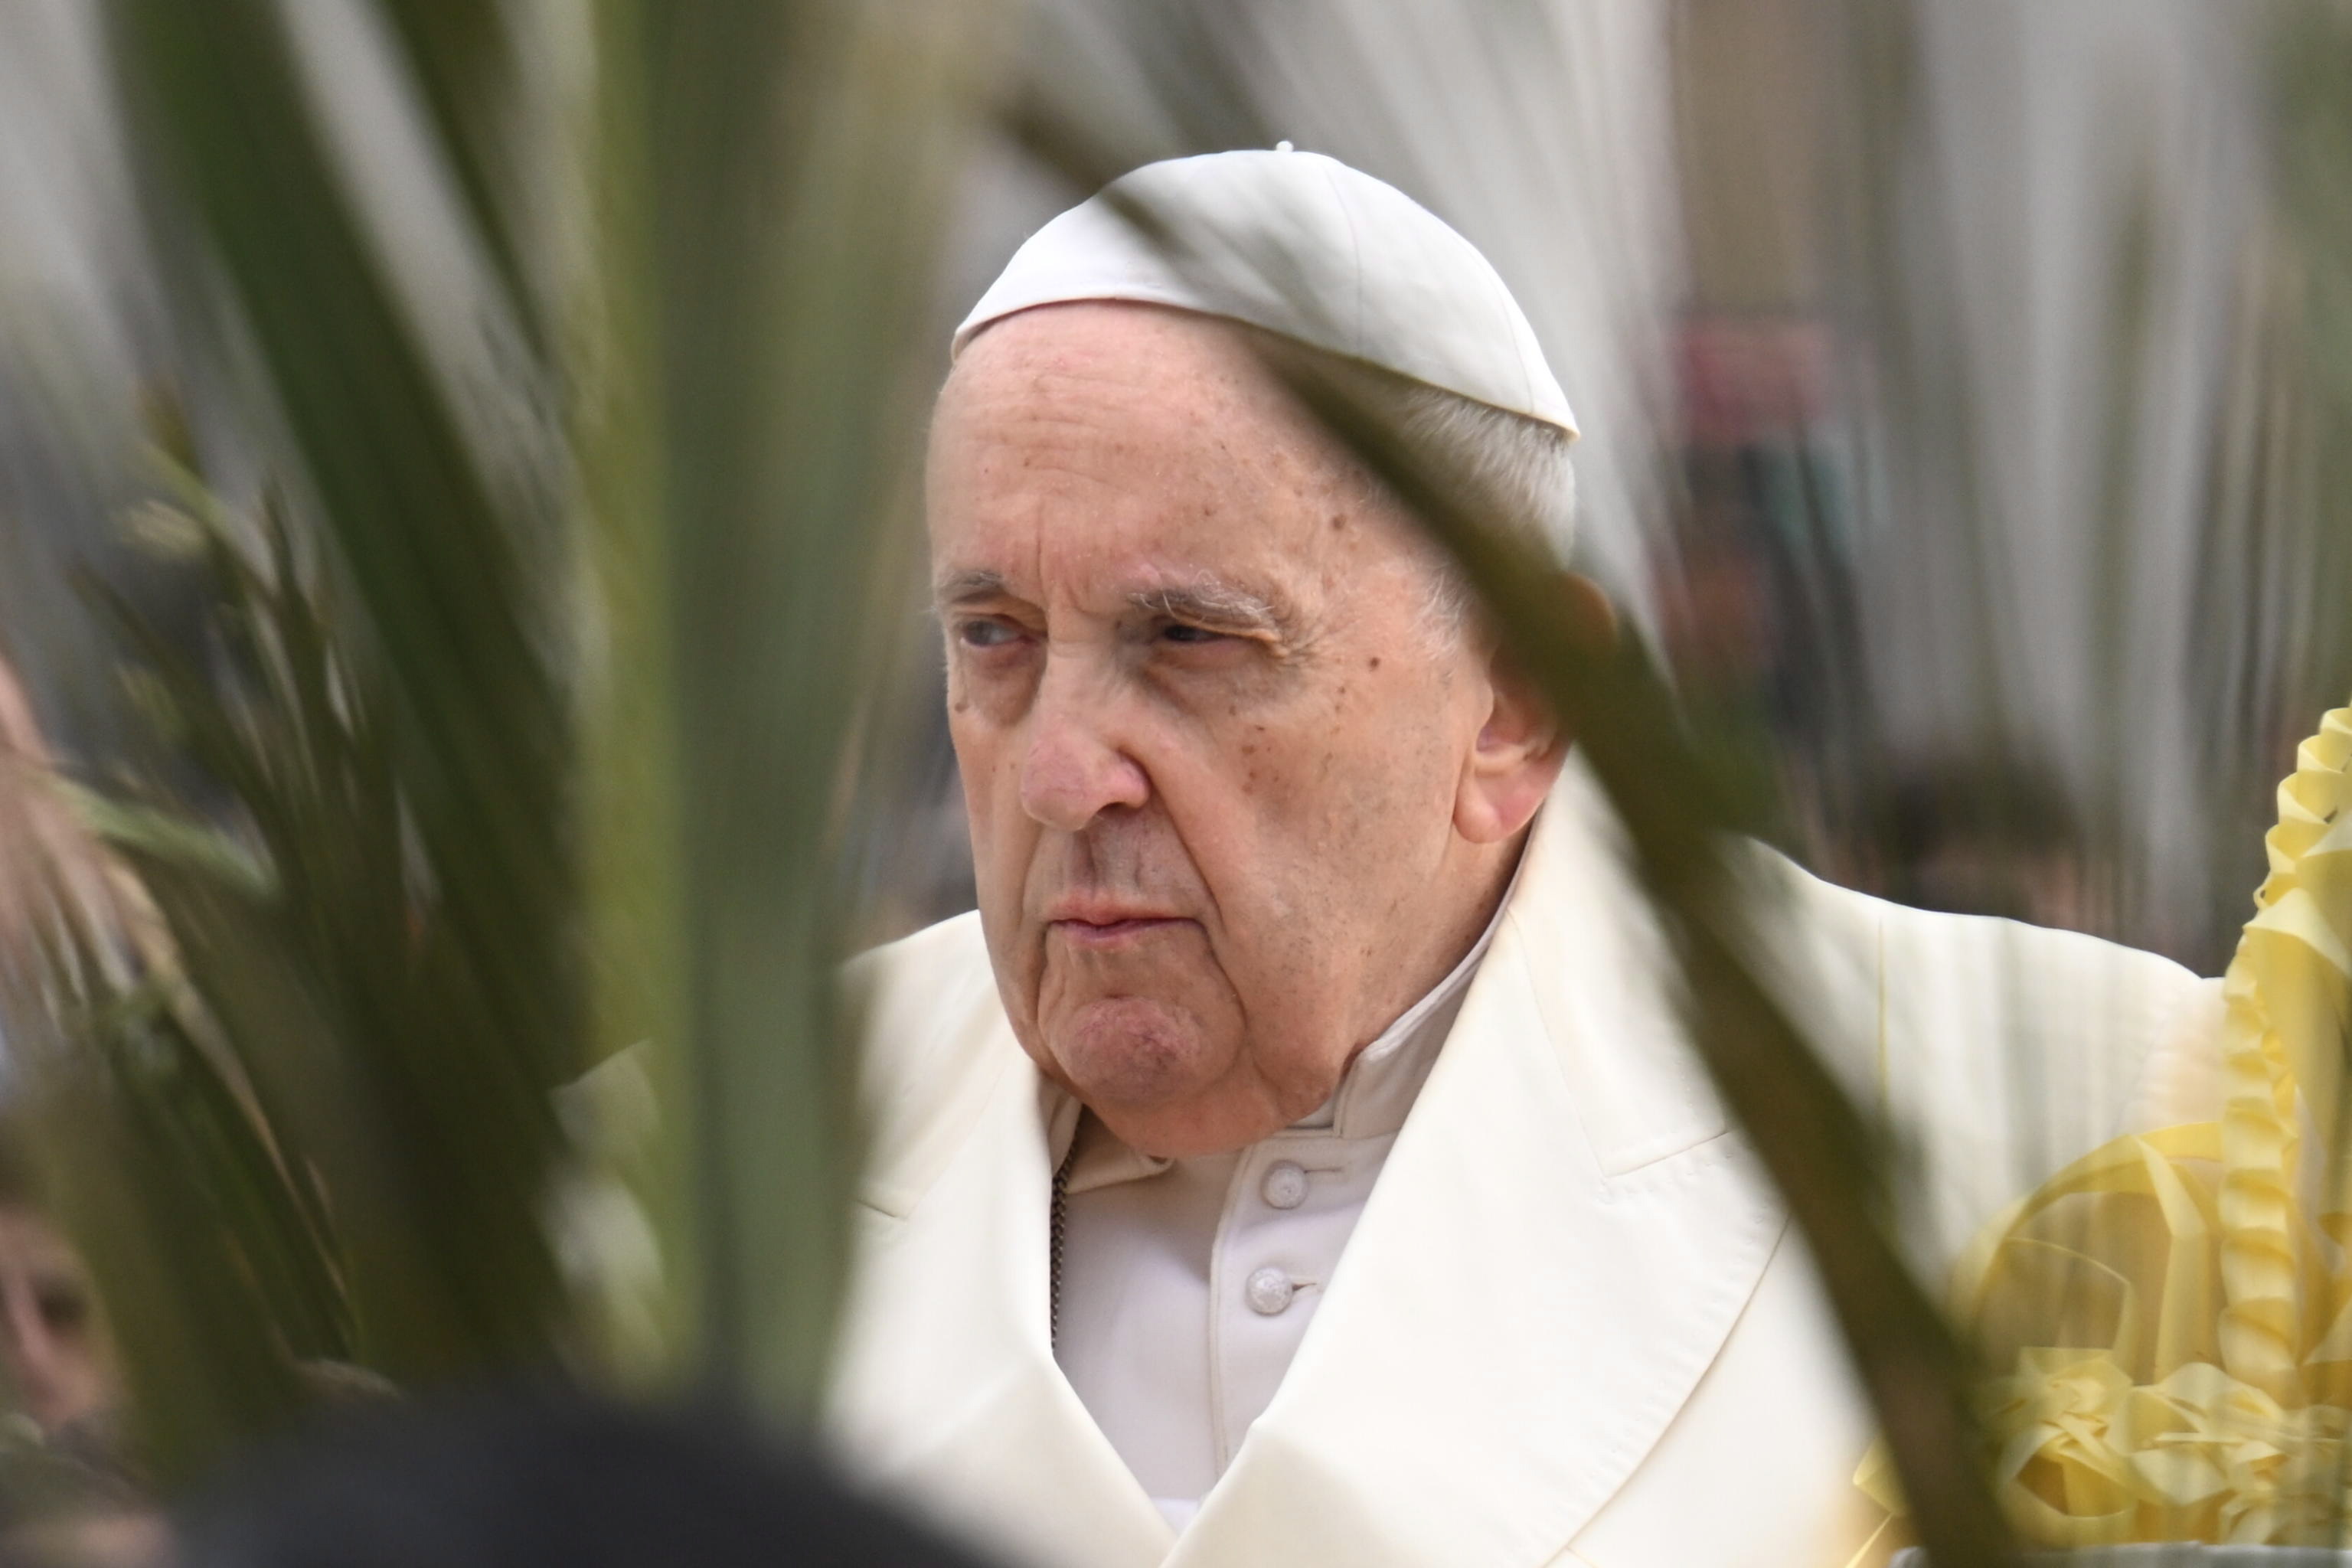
[[509, 744], [357, 1131]]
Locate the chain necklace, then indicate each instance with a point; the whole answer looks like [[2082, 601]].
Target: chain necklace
[[1058, 1225]]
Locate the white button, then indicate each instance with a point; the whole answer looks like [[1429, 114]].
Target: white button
[[1269, 1290], [1286, 1184]]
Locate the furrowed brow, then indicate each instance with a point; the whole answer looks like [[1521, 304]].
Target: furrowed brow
[[967, 587], [1219, 606]]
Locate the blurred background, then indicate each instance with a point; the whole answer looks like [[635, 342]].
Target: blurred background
[[458, 532]]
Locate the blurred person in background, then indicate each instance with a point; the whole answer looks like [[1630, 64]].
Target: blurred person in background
[[70, 1493], [1300, 1156], [60, 1368], [1989, 838], [53, 879]]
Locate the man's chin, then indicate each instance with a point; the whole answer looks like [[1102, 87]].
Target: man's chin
[[1136, 1056], [1163, 1084]]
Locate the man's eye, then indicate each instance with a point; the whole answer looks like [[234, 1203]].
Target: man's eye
[[1179, 633], [985, 634], [64, 1306]]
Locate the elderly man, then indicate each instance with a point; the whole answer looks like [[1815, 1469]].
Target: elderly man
[[1298, 1158]]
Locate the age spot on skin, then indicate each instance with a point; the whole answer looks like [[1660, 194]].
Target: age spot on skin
[[1375, 663]]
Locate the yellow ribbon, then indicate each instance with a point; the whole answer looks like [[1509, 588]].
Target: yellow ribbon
[[2174, 1309]]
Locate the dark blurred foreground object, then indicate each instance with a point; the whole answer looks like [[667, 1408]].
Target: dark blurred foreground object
[[513, 1481]]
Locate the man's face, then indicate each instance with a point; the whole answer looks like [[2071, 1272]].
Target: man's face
[[51, 1347], [1213, 742]]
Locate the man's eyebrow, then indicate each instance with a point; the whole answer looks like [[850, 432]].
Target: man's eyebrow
[[1220, 606], [967, 587], [1205, 601]]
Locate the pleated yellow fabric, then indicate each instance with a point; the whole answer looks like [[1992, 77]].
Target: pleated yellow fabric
[[2172, 1313]]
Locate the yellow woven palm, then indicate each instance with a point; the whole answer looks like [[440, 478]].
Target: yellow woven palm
[[2173, 1312]]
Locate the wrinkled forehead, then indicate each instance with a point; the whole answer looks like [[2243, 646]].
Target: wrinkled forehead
[[1118, 365], [1130, 430]]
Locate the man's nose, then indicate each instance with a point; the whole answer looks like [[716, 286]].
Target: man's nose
[[1075, 768]]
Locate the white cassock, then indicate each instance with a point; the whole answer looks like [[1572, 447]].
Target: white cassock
[[1187, 1286], [1570, 1324]]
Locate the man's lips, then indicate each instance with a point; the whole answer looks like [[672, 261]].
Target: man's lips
[[1105, 928]]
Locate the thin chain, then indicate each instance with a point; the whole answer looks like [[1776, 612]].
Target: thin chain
[[1060, 1224]]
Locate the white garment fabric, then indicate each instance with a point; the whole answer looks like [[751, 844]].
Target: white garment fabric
[[1303, 245], [1187, 1285], [1570, 1327]]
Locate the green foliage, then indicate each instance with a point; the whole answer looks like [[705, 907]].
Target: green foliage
[[360, 1138], [796, 165], [511, 741]]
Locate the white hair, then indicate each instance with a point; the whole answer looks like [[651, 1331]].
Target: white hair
[[1518, 467], [1513, 471]]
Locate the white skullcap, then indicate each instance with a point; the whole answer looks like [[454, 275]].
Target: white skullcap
[[1303, 245]]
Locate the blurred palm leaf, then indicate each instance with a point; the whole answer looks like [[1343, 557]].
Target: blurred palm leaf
[[785, 173], [463, 58], [376, 1157], [214, 1283], [480, 828]]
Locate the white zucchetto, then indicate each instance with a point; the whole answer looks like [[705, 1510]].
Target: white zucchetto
[[1303, 245]]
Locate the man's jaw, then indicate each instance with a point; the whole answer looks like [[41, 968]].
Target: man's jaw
[[1148, 1072]]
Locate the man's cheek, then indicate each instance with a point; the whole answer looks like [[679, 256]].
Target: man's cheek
[[1312, 807], [1003, 837]]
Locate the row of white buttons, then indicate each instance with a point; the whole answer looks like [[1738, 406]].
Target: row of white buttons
[[1269, 1290]]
